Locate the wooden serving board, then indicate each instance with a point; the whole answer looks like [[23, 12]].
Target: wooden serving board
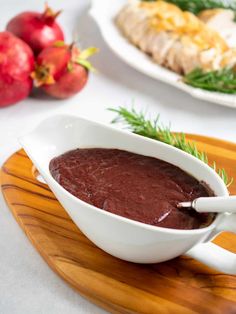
[[182, 285]]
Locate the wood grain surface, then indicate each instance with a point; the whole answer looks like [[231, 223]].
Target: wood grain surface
[[182, 285]]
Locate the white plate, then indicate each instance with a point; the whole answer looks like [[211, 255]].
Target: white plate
[[104, 12]]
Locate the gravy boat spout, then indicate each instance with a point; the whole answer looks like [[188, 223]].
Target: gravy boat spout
[[121, 237]]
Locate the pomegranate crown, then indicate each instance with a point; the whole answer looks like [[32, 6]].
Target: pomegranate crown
[[49, 15], [42, 74]]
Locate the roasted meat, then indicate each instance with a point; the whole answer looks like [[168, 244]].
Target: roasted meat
[[176, 39]]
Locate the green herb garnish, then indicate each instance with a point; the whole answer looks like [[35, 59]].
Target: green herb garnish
[[139, 124], [223, 81], [196, 6]]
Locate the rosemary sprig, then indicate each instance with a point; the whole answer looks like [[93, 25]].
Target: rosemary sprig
[[139, 124], [196, 6], [223, 81]]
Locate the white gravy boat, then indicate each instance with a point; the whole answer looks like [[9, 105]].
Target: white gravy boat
[[121, 237]]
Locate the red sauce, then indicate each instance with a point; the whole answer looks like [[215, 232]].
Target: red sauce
[[137, 187]]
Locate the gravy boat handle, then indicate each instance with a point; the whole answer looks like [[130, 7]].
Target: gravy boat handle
[[213, 255]]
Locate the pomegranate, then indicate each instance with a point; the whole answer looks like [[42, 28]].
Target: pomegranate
[[62, 70], [16, 65], [38, 30]]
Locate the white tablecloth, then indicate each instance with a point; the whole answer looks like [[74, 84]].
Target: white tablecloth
[[27, 284]]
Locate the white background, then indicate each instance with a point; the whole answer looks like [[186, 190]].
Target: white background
[[27, 285]]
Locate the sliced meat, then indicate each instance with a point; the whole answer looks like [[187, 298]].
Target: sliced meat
[[179, 40], [222, 21], [188, 58], [161, 45], [139, 32], [172, 59]]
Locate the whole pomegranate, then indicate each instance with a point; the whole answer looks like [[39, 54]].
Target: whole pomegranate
[[62, 70], [16, 65], [38, 30]]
